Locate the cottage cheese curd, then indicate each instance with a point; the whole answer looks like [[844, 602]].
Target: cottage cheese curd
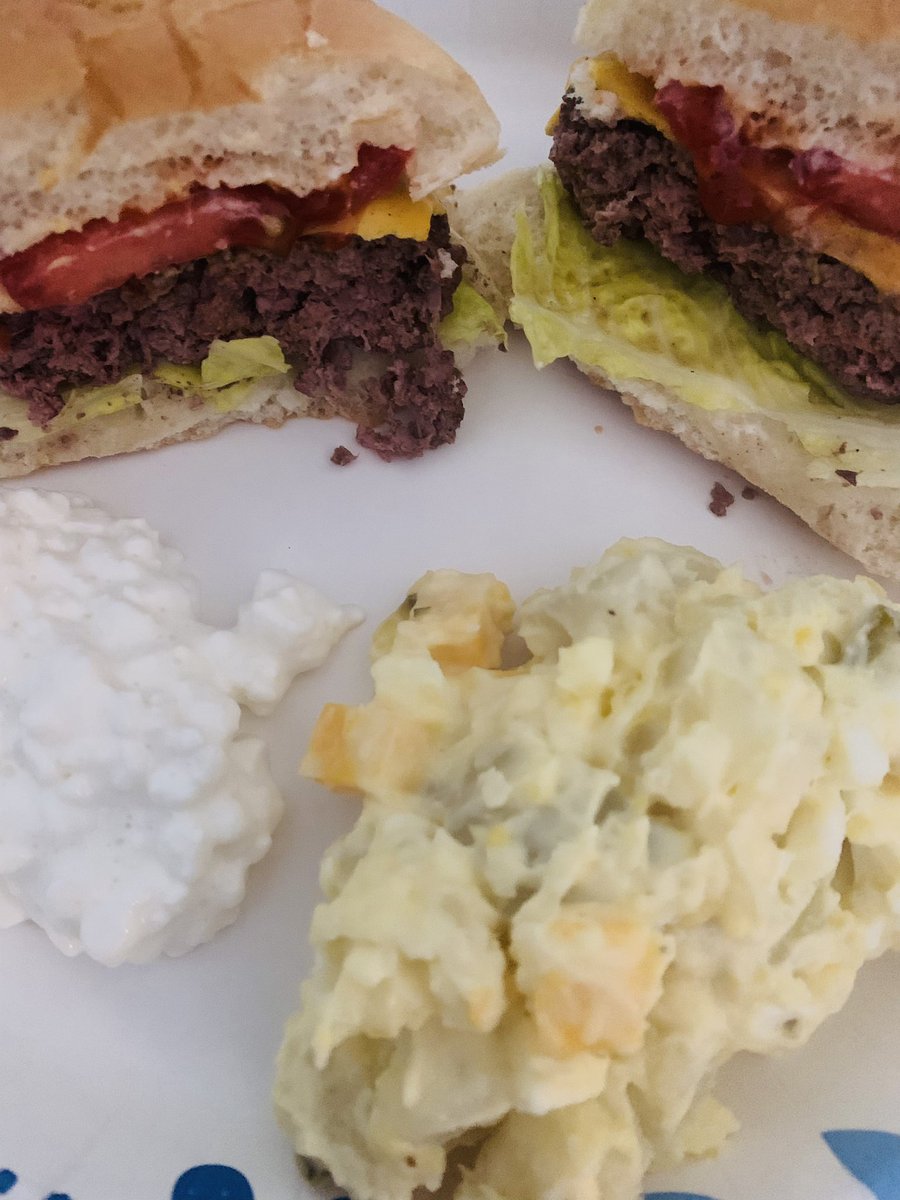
[[130, 809], [580, 885]]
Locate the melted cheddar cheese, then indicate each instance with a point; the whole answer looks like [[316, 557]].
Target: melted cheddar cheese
[[635, 92], [396, 214]]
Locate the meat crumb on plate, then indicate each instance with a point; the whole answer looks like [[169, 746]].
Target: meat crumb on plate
[[720, 499]]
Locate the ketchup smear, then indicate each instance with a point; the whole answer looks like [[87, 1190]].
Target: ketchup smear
[[69, 268], [735, 179]]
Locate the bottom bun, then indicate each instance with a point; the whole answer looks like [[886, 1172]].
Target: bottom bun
[[864, 522], [163, 416]]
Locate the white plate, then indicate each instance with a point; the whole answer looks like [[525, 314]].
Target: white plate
[[114, 1083]]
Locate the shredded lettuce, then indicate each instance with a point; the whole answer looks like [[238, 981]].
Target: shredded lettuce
[[181, 378], [84, 404], [472, 323], [629, 312], [241, 360], [227, 374]]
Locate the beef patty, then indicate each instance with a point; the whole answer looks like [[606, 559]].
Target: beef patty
[[628, 180], [325, 301]]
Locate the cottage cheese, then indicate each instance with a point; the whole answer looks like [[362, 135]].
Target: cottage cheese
[[130, 809]]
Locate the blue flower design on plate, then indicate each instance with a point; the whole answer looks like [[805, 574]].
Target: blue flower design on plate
[[871, 1156], [675, 1196], [9, 1179], [212, 1181]]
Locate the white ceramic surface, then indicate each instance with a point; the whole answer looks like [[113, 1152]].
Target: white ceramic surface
[[115, 1082]]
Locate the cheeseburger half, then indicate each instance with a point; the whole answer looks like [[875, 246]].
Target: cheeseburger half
[[221, 210], [720, 242]]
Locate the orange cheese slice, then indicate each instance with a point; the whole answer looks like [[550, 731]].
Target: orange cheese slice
[[396, 213]]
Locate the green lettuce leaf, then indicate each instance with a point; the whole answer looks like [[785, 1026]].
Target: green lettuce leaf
[[84, 404], [472, 323], [181, 378], [227, 374], [242, 359], [629, 312]]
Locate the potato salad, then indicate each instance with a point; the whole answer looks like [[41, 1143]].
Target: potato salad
[[647, 820]]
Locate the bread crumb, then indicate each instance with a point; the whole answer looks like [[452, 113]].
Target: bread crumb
[[849, 476], [342, 457], [720, 499], [598, 429]]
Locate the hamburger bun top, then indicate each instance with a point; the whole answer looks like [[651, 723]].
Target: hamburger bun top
[[108, 104], [872, 21], [803, 73]]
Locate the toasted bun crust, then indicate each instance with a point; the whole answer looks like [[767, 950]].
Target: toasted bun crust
[[802, 74], [105, 105], [862, 521]]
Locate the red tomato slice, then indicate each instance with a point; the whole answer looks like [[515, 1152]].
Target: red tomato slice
[[377, 172], [871, 198], [701, 122], [69, 268], [737, 181]]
